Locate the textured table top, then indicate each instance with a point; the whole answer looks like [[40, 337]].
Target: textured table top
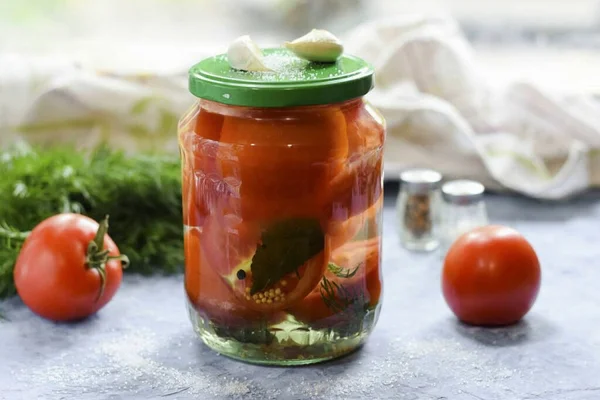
[[141, 346]]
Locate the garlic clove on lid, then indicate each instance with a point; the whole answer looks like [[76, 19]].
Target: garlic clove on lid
[[245, 55], [318, 45]]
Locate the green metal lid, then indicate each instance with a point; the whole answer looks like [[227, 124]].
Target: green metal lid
[[294, 82]]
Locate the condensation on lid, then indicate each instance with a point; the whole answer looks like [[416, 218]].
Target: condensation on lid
[[462, 191], [420, 179]]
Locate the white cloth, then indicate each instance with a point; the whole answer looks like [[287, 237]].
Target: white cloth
[[44, 100], [441, 112]]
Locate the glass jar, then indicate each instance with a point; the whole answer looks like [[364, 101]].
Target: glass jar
[[417, 209], [282, 195], [463, 209]]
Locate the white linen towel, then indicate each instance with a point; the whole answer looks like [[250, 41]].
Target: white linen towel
[[441, 113]]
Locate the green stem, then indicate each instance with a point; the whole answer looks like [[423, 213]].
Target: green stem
[[13, 235], [97, 257]]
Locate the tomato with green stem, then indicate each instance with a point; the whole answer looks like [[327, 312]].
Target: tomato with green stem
[[68, 267]]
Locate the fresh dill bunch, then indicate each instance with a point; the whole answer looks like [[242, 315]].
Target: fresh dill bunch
[[10, 245], [141, 193]]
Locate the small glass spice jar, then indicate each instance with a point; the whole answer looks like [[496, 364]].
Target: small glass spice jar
[[417, 209], [463, 209]]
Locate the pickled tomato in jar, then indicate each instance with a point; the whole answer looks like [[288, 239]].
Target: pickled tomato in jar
[[282, 198]]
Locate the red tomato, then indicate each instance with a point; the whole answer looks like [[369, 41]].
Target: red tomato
[[208, 292], [227, 241], [290, 290], [59, 276], [279, 167], [341, 232], [202, 188], [491, 276], [358, 185], [365, 283], [228, 244]]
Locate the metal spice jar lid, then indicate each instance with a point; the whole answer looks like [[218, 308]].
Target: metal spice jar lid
[[420, 180], [462, 191]]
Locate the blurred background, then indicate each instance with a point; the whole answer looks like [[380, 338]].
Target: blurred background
[[511, 36], [92, 70]]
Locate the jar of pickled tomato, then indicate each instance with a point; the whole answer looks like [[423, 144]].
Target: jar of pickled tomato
[[282, 196]]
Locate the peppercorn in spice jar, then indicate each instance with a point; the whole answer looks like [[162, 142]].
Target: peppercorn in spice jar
[[417, 209]]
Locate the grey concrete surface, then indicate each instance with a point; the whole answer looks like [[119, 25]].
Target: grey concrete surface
[[141, 346]]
